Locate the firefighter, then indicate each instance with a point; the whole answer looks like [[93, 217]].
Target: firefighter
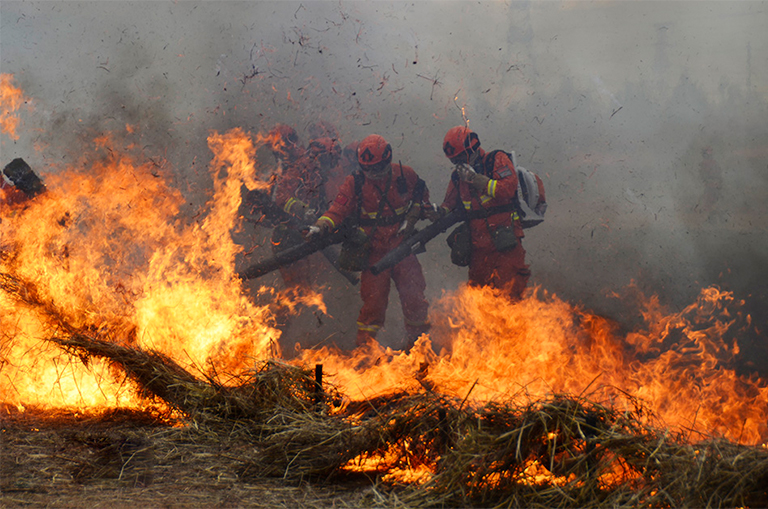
[[384, 202], [302, 190], [322, 131], [487, 190]]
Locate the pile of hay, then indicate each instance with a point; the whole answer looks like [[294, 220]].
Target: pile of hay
[[253, 396], [562, 452]]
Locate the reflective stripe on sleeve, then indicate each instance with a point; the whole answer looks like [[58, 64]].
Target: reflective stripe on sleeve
[[328, 219], [491, 190]]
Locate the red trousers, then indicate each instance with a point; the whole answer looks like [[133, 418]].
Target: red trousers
[[374, 290], [506, 271]]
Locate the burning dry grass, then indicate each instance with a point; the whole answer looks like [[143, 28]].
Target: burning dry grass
[[569, 452], [252, 397], [566, 451], [563, 452]]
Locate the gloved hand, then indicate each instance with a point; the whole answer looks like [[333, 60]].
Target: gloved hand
[[318, 229], [480, 183], [411, 218], [434, 212], [466, 172], [312, 231]]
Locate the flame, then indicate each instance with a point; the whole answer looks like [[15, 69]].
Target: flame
[[107, 248], [496, 350], [11, 99], [390, 465]]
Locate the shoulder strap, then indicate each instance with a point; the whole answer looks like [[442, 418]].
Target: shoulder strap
[[457, 185], [490, 161], [382, 202], [402, 184], [359, 178], [418, 191]]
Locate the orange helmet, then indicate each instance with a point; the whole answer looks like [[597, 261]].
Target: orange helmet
[[374, 155], [374, 150], [459, 140]]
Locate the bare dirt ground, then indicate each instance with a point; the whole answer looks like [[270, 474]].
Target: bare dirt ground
[[128, 459]]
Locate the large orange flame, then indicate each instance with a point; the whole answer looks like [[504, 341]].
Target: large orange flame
[[529, 350], [105, 247]]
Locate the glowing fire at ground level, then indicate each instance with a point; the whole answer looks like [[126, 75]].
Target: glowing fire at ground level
[[497, 352]]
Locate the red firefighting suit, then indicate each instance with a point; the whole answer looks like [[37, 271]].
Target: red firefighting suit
[[382, 231], [489, 267]]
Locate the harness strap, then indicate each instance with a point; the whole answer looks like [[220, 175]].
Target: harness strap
[[381, 221], [491, 211], [418, 196], [488, 164]]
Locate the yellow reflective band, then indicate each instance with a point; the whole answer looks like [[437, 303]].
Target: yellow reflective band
[[515, 216], [368, 328], [467, 205], [373, 215], [326, 218], [492, 188], [289, 204]]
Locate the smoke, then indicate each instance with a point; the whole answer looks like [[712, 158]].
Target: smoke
[[613, 103]]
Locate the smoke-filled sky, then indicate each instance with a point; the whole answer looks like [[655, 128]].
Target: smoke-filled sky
[[648, 121]]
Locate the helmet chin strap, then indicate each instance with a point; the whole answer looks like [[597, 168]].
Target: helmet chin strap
[[473, 157]]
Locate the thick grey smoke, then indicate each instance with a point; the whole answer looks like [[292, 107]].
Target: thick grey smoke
[[647, 120]]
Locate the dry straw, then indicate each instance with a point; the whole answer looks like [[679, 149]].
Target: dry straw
[[566, 451]]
